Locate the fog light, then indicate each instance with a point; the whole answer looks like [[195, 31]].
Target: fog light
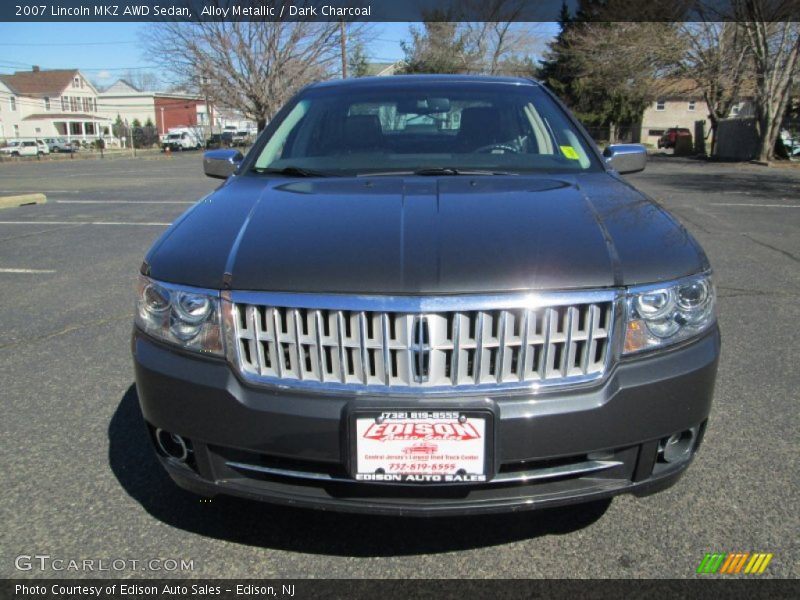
[[172, 445], [678, 446]]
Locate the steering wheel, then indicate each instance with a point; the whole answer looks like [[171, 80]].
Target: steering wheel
[[489, 147]]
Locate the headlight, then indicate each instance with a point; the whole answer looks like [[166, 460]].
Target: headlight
[[187, 318], [660, 315]]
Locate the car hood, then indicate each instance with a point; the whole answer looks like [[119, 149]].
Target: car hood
[[424, 235]]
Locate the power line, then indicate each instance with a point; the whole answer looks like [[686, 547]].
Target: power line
[[74, 44]]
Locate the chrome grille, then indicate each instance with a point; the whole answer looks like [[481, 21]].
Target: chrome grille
[[410, 344]]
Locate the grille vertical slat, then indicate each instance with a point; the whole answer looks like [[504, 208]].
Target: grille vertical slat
[[298, 349], [455, 366], [589, 346], [371, 348], [278, 346], [362, 336], [478, 360], [320, 349], [387, 369], [522, 363], [340, 347], [501, 350], [546, 329], [568, 352]]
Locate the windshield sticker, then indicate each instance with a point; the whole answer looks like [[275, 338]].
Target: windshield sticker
[[570, 153]]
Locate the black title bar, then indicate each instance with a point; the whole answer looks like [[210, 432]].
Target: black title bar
[[376, 10]]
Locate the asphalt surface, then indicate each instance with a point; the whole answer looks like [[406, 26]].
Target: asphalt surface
[[80, 482]]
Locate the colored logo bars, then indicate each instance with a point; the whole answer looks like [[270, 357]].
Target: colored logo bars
[[734, 562]]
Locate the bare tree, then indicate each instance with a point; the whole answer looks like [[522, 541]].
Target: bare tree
[[774, 41], [144, 81], [474, 36], [252, 66], [717, 61], [498, 40]]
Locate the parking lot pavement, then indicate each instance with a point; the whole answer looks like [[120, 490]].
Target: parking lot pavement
[[81, 482]]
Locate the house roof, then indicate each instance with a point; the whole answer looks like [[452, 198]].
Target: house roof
[[120, 86], [39, 83], [66, 117], [685, 88]]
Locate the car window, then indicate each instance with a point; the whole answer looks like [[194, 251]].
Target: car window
[[514, 128]]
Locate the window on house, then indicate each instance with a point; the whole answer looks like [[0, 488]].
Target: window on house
[[12, 103], [691, 105], [86, 105], [660, 104], [76, 82], [73, 104], [64, 103], [46, 103], [16, 131]]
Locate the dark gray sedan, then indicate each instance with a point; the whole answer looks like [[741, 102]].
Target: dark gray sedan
[[425, 295]]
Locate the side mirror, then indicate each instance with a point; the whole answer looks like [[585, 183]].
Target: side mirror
[[221, 163], [626, 158]]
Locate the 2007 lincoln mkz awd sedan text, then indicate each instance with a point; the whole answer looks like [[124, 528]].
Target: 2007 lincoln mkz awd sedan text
[[425, 295]]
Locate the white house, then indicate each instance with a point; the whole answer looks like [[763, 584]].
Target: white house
[[680, 104], [166, 110], [59, 102], [9, 115]]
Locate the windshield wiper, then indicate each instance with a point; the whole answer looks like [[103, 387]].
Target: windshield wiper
[[292, 172]]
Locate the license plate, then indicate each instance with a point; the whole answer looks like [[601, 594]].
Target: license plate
[[421, 447]]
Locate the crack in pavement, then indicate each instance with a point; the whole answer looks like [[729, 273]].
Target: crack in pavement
[[66, 330], [760, 243]]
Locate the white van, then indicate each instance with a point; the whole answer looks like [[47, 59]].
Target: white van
[[182, 139]]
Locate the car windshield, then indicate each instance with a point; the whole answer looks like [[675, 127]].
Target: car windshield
[[430, 128]]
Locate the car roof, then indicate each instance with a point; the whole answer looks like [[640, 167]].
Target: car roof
[[412, 80]]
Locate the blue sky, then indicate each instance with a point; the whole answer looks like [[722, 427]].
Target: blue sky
[[104, 51]]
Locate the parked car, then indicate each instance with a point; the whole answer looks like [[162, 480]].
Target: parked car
[[22, 148], [669, 138], [58, 145], [42, 147], [493, 288], [242, 138], [219, 140]]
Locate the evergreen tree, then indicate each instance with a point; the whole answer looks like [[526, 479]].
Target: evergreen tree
[[357, 65]]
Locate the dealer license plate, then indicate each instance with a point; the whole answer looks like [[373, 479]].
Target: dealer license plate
[[421, 447]]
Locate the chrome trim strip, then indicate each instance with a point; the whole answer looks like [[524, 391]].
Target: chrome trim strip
[[589, 466]]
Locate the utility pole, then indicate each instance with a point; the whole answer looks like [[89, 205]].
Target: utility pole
[[343, 37]]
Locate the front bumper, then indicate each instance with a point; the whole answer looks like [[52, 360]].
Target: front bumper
[[291, 448]]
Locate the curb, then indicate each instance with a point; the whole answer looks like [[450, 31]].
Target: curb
[[22, 200]]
